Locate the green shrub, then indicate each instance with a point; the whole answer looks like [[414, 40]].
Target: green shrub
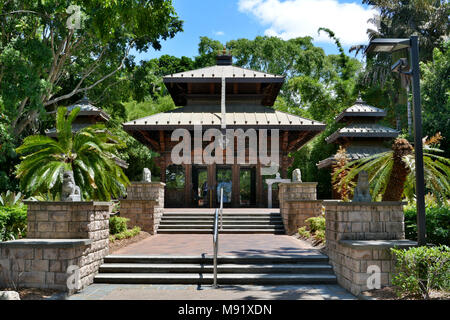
[[303, 232], [125, 234], [437, 224], [316, 223], [13, 222], [419, 270], [320, 235], [117, 224]]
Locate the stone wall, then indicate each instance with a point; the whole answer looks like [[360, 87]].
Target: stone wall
[[359, 235], [298, 202], [59, 234], [144, 205]]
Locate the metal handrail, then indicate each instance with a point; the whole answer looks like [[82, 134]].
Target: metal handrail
[[216, 235]]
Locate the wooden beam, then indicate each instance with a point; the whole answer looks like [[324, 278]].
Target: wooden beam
[[152, 142], [293, 145]]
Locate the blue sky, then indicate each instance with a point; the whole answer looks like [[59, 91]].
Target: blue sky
[[226, 20]]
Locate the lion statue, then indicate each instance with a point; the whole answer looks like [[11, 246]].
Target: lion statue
[[296, 175], [146, 175], [70, 191], [362, 192]]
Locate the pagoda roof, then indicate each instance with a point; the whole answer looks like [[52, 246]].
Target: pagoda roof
[[363, 130], [360, 110], [354, 153], [237, 116], [240, 82]]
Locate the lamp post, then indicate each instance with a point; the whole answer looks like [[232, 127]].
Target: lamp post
[[391, 45]]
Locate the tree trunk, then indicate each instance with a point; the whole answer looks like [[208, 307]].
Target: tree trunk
[[396, 183]]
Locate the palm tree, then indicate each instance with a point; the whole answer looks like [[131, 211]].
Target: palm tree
[[90, 154], [392, 173]]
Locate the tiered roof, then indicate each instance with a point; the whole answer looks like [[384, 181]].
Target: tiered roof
[[362, 136]]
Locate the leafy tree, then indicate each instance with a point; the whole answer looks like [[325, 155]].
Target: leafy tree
[[435, 94], [90, 153]]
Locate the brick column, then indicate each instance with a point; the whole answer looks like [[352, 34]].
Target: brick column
[[144, 205], [298, 202], [60, 234], [359, 235]]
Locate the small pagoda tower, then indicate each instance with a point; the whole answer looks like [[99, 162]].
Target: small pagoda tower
[[361, 136], [88, 115]]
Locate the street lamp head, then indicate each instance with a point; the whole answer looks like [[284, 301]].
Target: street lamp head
[[387, 45]]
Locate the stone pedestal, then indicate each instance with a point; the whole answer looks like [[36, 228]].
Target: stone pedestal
[[359, 235], [60, 234], [144, 205], [298, 202]]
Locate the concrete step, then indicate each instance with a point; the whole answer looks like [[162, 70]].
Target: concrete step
[[201, 225], [241, 222], [208, 268], [243, 218], [305, 258], [233, 278]]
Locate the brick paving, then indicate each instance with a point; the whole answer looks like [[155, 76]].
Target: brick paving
[[229, 244]]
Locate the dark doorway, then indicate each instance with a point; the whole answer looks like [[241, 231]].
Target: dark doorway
[[200, 187], [224, 179], [247, 187]]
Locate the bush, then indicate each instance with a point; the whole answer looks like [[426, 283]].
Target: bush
[[13, 222], [117, 225], [437, 224], [125, 234], [303, 232], [316, 223], [419, 270]]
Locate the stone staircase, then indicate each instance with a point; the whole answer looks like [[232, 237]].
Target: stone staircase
[[253, 270], [250, 221]]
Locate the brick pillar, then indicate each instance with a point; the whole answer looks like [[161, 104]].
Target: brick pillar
[[359, 235], [144, 205], [298, 202], [60, 234]]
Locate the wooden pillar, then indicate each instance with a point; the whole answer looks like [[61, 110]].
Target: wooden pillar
[[259, 186], [188, 199], [235, 199], [212, 185]]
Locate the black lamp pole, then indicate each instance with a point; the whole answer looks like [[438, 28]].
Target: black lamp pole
[[418, 147]]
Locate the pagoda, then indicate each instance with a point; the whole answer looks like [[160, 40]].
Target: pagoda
[[361, 136]]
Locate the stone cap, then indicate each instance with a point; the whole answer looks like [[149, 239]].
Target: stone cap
[[95, 203], [48, 243], [309, 184], [377, 244], [375, 203], [162, 184], [302, 200]]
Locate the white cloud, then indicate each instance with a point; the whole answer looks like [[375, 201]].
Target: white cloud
[[299, 18], [219, 33]]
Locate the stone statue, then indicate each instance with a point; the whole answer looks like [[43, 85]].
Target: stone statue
[[70, 191], [362, 192], [146, 175], [296, 175], [277, 176]]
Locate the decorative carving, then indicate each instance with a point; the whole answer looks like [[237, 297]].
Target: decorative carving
[[362, 192], [146, 175], [296, 175], [70, 191]]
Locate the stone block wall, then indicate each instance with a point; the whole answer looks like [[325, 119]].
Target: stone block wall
[[359, 235], [298, 202], [44, 264], [59, 234], [144, 205]]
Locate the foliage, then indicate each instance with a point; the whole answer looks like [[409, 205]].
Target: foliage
[[316, 223], [10, 199], [129, 233], [343, 187], [437, 224], [13, 222], [90, 153], [316, 226], [304, 233], [419, 270], [435, 95], [117, 224], [389, 168]]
